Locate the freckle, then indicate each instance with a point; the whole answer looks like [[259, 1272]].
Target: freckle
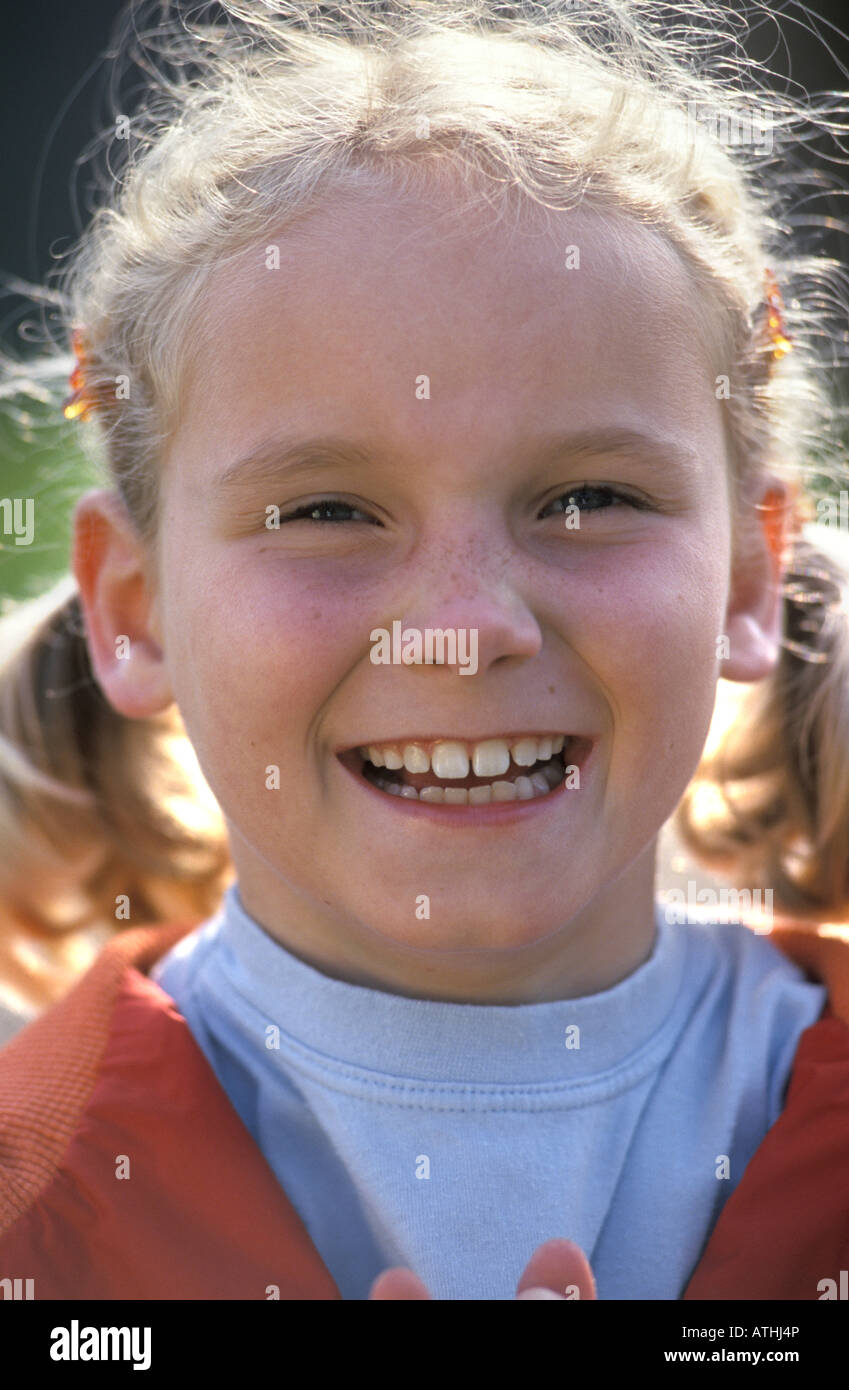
[[551, 690], [316, 614]]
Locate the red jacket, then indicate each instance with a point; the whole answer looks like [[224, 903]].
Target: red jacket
[[125, 1172]]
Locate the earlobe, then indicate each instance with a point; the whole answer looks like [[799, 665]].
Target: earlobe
[[108, 563], [753, 650]]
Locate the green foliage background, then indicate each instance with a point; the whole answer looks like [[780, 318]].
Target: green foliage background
[[41, 458]]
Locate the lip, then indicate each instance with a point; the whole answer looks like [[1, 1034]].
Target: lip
[[498, 813]]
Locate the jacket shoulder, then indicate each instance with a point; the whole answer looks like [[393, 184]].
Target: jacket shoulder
[[49, 1069], [821, 950], [110, 1084]]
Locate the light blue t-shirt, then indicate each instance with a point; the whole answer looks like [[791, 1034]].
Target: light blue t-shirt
[[456, 1138]]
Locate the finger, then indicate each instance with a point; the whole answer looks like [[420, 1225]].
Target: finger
[[562, 1266], [541, 1293], [398, 1284]]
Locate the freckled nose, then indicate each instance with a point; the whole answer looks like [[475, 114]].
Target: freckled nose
[[488, 606]]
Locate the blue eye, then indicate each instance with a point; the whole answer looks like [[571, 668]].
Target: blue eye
[[576, 496], [318, 511]]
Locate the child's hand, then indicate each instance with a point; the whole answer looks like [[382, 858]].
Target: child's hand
[[554, 1267]]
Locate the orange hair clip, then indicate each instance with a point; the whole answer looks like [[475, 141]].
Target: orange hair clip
[[78, 405], [775, 323]]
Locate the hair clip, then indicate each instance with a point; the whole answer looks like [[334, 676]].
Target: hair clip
[[776, 325], [78, 404]]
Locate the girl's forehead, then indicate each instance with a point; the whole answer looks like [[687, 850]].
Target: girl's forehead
[[363, 250], [362, 296]]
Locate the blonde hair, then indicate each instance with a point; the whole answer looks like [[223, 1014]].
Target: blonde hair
[[254, 120]]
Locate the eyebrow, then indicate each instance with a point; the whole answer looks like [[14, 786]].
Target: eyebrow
[[269, 461]]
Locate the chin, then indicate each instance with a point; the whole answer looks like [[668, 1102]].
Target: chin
[[477, 930]]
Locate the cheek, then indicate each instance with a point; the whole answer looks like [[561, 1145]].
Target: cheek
[[653, 648], [258, 650]]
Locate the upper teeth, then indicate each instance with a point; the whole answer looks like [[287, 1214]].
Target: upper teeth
[[451, 758]]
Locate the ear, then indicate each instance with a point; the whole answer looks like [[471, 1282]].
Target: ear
[[753, 620], [109, 563]]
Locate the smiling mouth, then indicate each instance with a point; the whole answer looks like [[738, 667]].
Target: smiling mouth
[[455, 773]]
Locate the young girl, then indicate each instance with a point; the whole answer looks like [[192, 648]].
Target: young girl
[[455, 378]]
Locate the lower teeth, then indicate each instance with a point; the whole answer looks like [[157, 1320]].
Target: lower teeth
[[542, 781]]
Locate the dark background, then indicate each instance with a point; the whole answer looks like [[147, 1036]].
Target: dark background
[[52, 89]]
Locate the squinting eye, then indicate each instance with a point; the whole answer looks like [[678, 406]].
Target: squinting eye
[[317, 511], [578, 495]]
